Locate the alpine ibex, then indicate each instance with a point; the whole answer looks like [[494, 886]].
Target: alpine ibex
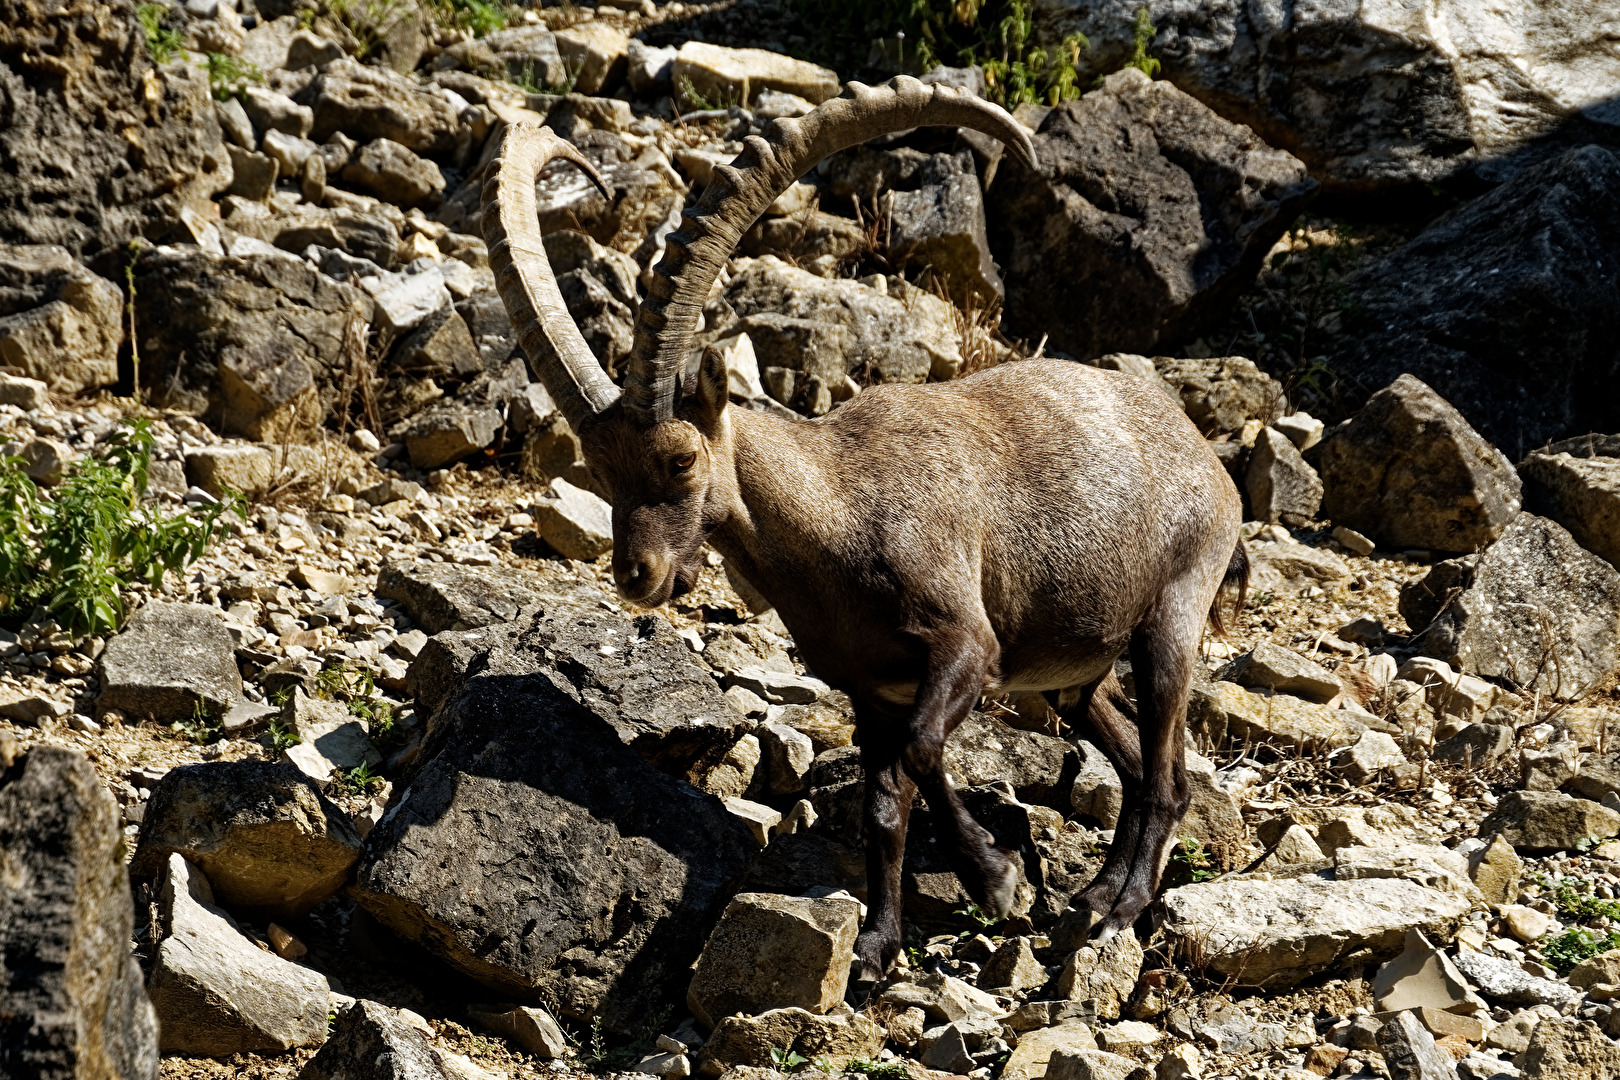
[[926, 545]]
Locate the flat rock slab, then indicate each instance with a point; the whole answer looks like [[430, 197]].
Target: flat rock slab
[[171, 660], [268, 840], [537, 852], [74, 1003], [1277, 933], [1147, 209], [1502, 980], [444, 596], [215, 992], [632, 671]]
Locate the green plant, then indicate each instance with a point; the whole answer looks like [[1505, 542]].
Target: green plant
[[360, 779], [1576, 944], [74, 551], [918, 35], [622, 1057], [1141, 38], [976, 913], [1190, 863], [283, 735], [163, 42], [281, 695], [202, 728], [1575, 903], [878, 1070], [787, 1060], [226, 77], [478, 16]]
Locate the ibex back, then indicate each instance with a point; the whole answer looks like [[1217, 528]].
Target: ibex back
[[926, 545]]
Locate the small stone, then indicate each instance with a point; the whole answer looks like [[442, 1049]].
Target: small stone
[[761, 819], [448, 431], [1373, 753], [1093, 1065], [1107, 974], [1013, 965], [576, 522], [1505, 981], [1497, 870], [1527, 924], [778, 687], [1323, 1060], [749, 1040], [1031, 1059], [1302, 429], [1353, 541], [169, 662], [1128, 1035], [1421, 977], [1603, 968], [394, 174], [372, 1042], [1283, 671], [738, 76], [531, 1027], [1280, 484], [287, 946]]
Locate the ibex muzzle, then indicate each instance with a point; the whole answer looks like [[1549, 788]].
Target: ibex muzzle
[[926, 545]]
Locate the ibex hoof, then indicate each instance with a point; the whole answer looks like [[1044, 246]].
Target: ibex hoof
[[1073, 928], [863, 980]]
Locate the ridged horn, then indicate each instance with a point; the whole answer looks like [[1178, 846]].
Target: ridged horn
[[741, 191], [528, 288]]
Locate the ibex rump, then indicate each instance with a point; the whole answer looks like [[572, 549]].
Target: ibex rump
[[926, 545]]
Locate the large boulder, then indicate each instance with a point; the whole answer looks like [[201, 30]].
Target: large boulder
[[537, 852], [1509, 307], [633, 672], [1146, 213], [263, 341], [830, 328], [1408, 471], [269, 841], [1376, 96], [74, 1003], [59, 323], [215, 992], [1277, 932], [100, 146], [1535, 609], [1577, 484]]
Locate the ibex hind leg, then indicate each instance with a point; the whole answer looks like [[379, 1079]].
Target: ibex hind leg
[[1163, 650], [889, 795], [1104, 716]]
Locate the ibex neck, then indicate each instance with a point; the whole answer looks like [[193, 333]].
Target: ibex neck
[[788, 507]]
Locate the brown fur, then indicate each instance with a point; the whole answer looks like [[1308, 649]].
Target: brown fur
[[926, 545]]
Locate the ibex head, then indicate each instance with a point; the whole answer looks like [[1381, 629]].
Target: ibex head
[[663, 447]]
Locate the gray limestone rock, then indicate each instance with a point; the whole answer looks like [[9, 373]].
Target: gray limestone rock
[[59, 323], [171, 660], [1409, 471], [74, 1003], [596, 876], [215, 992], [1577, 484], [372, 1042], [1147, 211], [775, 952], [268, 840]]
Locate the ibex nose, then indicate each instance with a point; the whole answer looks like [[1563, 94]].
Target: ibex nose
[[633, 580]]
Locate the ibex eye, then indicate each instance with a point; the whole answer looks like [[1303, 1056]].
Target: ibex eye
[[684, 462]]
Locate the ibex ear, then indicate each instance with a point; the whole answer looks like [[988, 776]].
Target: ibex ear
[[712, 390]]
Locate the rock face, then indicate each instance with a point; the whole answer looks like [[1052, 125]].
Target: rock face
[[1533, 588], [537, 852], [170, 660], [775, 952], [1371, 96], [215, 992], [100, 146], [1408, 471], [829, 328], [1147, 212], [269, 841], [1524, 352], [1577, 484], [59, 323], [74, 1001], [263, 341], [1276, 933]]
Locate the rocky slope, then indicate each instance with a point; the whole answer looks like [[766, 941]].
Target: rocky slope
[[397, 784]]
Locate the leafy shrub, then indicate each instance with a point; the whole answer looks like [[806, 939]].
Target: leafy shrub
[[1142, 37], [162, 42], [1576, 944], [75, 550], [478, 16], [227, 75]]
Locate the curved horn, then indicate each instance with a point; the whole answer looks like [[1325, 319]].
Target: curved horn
[[572, 376], [740, 192]]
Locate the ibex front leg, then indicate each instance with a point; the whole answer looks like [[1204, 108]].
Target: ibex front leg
[[957, 663]]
